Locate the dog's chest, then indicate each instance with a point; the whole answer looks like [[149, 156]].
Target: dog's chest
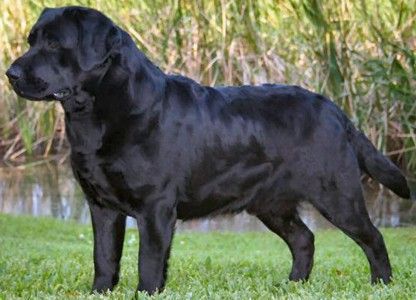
[[99, 178], [120, 182], [92, 179]]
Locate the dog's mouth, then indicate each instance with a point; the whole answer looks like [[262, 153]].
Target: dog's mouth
[[36, 95], [62, 94], [31, 96]]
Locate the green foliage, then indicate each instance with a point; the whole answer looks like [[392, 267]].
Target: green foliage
[[359, 53], [50, 259]]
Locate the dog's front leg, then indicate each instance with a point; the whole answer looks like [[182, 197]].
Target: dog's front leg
[[108, 228], [156, 227]]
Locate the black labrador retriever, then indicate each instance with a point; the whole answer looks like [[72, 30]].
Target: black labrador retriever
[[159, 148]]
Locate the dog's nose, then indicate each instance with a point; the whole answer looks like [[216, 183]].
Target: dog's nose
[[14, 72]]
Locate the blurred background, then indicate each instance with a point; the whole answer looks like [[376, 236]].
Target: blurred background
[[361, 54]]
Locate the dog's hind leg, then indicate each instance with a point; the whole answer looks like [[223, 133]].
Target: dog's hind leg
[[297, 236], [347, 211]]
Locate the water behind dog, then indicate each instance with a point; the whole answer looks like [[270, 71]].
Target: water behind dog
[[51, 190]]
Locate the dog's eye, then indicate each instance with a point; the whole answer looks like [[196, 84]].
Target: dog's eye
[[53, 44]]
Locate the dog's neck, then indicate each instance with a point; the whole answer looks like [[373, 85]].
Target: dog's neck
[[129, 87]]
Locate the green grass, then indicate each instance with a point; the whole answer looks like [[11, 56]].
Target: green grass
[[359, 53], [49, 259]]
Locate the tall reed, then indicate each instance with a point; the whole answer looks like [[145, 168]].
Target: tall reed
[[359, 53]]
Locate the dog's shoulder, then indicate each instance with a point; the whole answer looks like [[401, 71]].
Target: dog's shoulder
[[187, 92]]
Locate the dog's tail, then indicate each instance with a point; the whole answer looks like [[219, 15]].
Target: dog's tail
[[376, 164]]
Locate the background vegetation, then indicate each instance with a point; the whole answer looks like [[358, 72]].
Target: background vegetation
[[49, 259], [359, 53]]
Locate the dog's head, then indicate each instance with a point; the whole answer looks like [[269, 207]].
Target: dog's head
[[69, 48]]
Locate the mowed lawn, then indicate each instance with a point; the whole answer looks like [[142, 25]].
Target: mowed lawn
[[42, 258]]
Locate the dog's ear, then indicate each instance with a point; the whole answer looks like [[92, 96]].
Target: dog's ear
[[98, 38], [97, 45]]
